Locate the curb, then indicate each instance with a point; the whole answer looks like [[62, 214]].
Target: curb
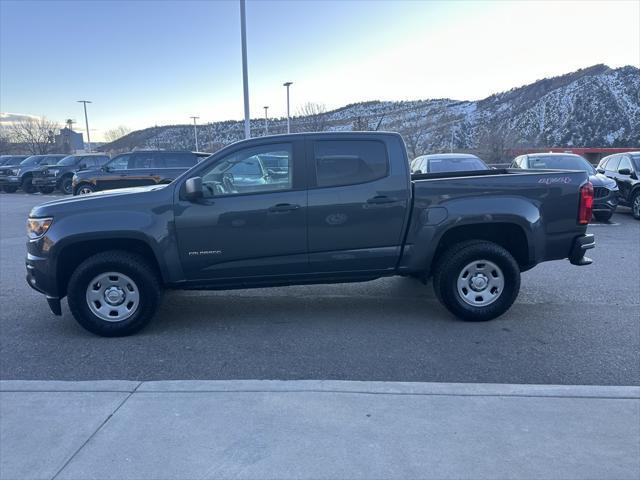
[[324, 386]]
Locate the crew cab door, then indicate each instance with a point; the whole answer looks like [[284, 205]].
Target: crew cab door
[[358, 203], [247, 226]]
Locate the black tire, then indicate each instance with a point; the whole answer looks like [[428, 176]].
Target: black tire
[[602, 216], [46, 190], [66, 186], [9, 188], [450, 266], [87, 187], [27, 185], [635, 204], [124, 263]]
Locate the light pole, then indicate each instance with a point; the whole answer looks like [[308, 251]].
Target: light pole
[[266, 120], [288, 84], [195, 131], [245, 80], [86, 121]]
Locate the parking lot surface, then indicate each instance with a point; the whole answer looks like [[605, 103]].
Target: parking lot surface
[[570, 325]]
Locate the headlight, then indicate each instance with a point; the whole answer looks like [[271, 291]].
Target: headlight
[[15, 171], [37, 227], [53, 172]]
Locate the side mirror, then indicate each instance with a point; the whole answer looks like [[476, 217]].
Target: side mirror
[[600, 170], [82, 166], [105, 168], [193, 188], [624, 171], [417, 172]]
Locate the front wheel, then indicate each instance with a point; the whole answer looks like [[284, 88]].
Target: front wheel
[[27, 185], [66, 186], [114, 293], [635, 205], [85, 189], [45, 190], [477, 280]]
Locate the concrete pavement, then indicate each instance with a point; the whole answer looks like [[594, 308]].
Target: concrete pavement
[[316, 429]]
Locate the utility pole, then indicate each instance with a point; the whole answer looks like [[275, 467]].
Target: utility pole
[[86, 121], [195, 131], [288, 84], [451, 144], [266, 120], [245, 80]]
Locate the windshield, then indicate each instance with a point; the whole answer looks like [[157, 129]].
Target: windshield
[[49, 160], [462, 164], [30, 161], [636, 162], [69, 160], [561, 162]]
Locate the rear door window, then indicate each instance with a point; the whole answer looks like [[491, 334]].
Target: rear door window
[[144, 160], [348, 162], [178, 159]]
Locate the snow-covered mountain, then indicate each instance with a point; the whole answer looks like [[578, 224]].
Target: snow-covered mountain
[[595, 106]]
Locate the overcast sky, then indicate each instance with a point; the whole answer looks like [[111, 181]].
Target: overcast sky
[[146, 63]]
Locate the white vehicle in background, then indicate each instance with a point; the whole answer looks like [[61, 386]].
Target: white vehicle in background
[[447, 162]]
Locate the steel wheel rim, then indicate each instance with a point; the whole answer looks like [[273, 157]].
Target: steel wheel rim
[[636, 206], [112, 296], [85, 191], [480, 283]]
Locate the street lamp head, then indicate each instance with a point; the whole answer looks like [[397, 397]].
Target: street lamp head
[[84, 101], [286, 84]]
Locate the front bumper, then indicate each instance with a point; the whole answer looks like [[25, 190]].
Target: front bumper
[[45, 181], [9, 180], [606, 203], [580, 246], [40, 279]]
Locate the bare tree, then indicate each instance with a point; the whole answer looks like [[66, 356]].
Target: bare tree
[[6, 143], [313, 117], [494, 141], [116, 133], [37, 135]]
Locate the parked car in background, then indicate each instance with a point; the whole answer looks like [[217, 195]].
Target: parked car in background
[[59, 176], [10, 160], [447, 162], [21, 175], [624, 169], [136, 169], [605, 190]]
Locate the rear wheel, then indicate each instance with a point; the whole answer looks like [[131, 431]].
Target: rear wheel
[[84, 189], [477, 280], [66, 186], [603, 216], [635, 205], [114, 293], [9, 188], [45, 190], [27, 185]]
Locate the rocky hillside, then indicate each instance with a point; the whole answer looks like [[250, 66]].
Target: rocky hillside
[[595, 106]]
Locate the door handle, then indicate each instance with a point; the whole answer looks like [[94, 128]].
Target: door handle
[[380, 199], [283, 207]]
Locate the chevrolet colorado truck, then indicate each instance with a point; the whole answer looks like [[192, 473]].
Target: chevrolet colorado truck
[[342, 208]]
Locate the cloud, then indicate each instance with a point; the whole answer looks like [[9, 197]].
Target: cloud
[[10, 118]]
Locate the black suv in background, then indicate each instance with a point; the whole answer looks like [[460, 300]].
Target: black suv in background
[[605, 190], [136, 169], [21, 175], [624, 169], [46, 179]]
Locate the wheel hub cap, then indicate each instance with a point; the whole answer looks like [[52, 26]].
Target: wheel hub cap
[[114, 295], [480, 283]]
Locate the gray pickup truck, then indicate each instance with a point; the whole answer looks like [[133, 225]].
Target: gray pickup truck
[[342, 207]]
